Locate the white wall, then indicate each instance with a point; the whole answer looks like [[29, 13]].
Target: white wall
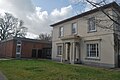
[[106, 36]]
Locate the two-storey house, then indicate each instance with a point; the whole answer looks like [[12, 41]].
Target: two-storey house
[[90, 38]]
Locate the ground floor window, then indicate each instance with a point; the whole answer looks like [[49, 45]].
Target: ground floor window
[[18, 50], [18, 47], [59, 50], [93, 50]]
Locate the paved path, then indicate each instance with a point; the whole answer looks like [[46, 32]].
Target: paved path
[[4, 59], [2, 77]]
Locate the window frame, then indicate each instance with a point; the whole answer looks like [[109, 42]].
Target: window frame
[[61, 31], [73, 27], [18, 44], [18, 48], [59, 50], [97, 50], [91, 21]]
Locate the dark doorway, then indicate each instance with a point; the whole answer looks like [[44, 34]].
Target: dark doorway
[[40, 54], [68, 51], [34, 53], [119, 53], [47, 53], [118, 60]]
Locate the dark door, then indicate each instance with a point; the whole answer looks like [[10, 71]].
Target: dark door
[[34, 53], [40, 54], [47, 53], [119, 53], [118, 60]]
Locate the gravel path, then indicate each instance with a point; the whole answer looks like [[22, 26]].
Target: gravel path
[[2, 77]]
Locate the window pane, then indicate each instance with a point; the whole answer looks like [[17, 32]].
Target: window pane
[[92, 26], [18, 48], [74, 28], [59, 50], [87, 50], [61, 31], [18, 42], [92, 50]]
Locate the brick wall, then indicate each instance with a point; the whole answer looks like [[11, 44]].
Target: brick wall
[[8, 48]]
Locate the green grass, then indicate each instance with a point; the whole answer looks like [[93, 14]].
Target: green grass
[[50, 70]]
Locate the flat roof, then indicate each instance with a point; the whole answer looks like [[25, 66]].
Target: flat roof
[[113, 4], [27, 39]]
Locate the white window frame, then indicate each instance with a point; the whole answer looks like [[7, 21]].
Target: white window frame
[[18, 50], [74, 26], [18, 44], [91, 24], [59, 50], [88, 51], [61, 31]]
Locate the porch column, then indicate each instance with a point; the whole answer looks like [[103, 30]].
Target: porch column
[[73, 59], [77, 52], [70, 52], [66, 51]]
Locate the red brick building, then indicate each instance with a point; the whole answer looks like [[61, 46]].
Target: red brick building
[[25, 48]]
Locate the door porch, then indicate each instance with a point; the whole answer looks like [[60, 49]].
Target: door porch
[[71, 49]]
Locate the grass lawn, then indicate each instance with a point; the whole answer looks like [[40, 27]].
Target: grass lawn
[[50, 70]]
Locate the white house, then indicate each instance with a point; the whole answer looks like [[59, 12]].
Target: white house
[[89, 38]]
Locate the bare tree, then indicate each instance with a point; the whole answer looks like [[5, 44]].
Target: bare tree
[[11, 27], [101, 3], [112, 20], [46, 37], [111, 17]]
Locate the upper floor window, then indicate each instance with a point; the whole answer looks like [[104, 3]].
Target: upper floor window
[[61, 32], [91, 23], [74, 28]]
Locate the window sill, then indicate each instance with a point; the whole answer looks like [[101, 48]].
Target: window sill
[[74, 34], [91, 58], [92, 31], [60, 36], [59, 56]]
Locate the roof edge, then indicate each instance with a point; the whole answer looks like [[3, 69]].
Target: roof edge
[[112, 4], [26, 39]]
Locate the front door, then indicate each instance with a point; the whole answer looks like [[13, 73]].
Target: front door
[[67, 52], [72, 52]]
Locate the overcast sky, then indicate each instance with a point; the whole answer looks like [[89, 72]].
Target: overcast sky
[[39, 14]]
